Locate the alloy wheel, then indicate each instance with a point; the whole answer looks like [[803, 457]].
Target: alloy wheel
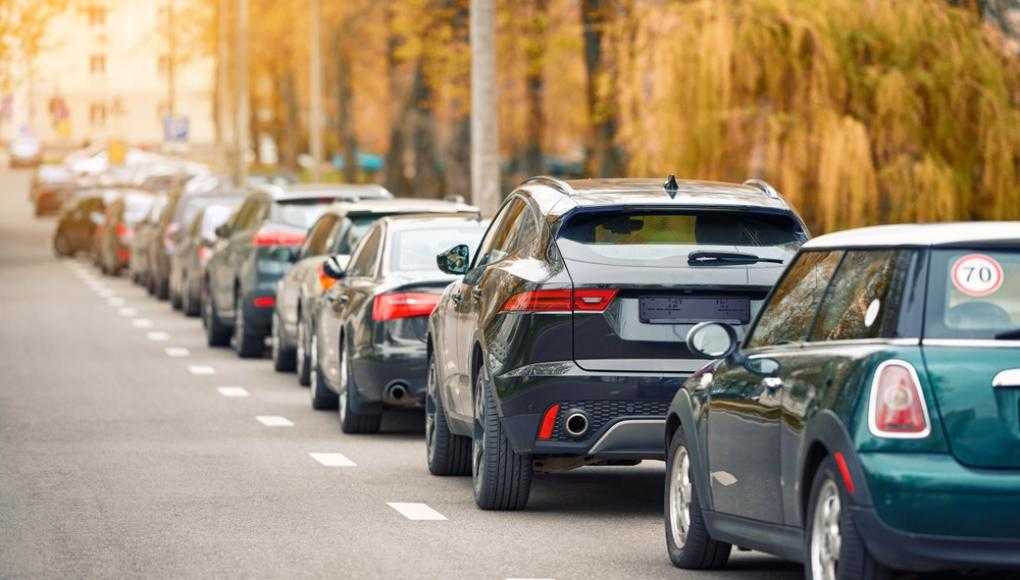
[[314, 369], [300, 353], [430, 411], [478, 441], [680, 494], [342, 380], [274, 339], [826, 539]]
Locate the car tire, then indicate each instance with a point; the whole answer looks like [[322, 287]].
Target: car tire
[[216, 333], [162, 289], [176, 300], [688, 543], [304, 366], [284, 358], [501, 477], [322, 397], [189, 305], [829, 522], [445, 452], [351, 421], [61, 247], [247, 344]]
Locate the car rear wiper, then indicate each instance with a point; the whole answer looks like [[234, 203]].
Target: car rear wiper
[[727, 258], [1015, 333]]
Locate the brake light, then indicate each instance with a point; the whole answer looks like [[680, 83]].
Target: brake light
[[264, 302], [403, 305], [897, 406], [204, 254], [277, 237], [545, 429], [325, 281], [124, 233], [170, 237], [584, 300]]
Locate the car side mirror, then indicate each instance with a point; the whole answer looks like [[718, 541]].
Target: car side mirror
[[222, 231], [455, 260], [336, 266], [712, 339], [97, 218]]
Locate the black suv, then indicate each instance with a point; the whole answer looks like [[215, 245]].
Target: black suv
[[563, 343]]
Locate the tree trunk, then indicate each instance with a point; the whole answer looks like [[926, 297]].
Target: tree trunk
[[605, 159], [458, 149], [345, 107], [534, 80], [290, 129], [395, 178], [428, 173]]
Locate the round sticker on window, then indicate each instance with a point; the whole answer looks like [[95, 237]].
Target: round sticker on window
[[977, 275], [872, 314]]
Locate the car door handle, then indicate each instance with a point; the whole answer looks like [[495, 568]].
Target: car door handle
[[772, 383]]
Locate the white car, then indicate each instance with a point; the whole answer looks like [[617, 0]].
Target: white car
[[25, 151]]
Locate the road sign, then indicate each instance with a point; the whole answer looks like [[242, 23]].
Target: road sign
[[176, 129]]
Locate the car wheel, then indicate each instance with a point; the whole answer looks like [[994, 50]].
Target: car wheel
[[246, 343], [61, 247], [216, 333], [162, 289], [687, 539], [304, 370], [189, 304], [501, 476], [446, 453], [352, 421], [283, 355], [322, 397], [835, 549]]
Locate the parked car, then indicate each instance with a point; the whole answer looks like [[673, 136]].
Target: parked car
[[144, 231], [76, 226], [368, 348], [116, 237], [25, 151], [336, 232], [50, 186], [255, 248], [191, 245], [868, 421], [562, 344]]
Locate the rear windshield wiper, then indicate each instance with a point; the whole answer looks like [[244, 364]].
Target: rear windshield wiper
[[1015, 333], [726, 258]]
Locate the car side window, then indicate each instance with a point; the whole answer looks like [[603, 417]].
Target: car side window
[[363, 260], [861, 302], [790, 312], [318, 236], [497, 240], [242, 218], [523, 240]]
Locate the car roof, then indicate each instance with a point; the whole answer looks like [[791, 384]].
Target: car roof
[[651, 191], [348, 191], [413, 221], [920, 235], [401, 205]]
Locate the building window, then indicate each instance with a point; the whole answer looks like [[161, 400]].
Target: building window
[[96, 15], [97, 114], [97, 64]]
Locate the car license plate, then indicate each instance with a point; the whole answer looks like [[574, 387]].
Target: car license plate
[[693, 309]]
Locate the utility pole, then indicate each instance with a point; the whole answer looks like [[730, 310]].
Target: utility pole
[[484, 121], [242, 118], [315, 121], [223, 83]]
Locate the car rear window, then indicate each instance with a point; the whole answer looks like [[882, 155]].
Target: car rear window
[[416, 250], [973, 293], [214, 216], [188, 207], [657, 235], [300, 213], [136, 207]]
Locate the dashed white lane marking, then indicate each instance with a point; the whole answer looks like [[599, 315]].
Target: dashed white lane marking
[[158, 336], [274, 421], [416, 511], [128, 311], [333, 459], [232, 391], [176, 351], [201, 370], [141, 323], [115, 301]]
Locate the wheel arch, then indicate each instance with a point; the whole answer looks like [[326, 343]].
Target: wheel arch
[[826, 436]]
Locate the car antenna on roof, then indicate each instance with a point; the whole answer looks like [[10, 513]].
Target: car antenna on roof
[[671, 186]]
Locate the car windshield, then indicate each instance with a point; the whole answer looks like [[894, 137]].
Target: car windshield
[[300, 213], [214, 216], [973, 293], [623, 236], [415, 250]]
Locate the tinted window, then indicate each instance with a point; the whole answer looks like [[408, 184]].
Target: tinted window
[[214, 216], [299, 213], [856, 304], [245, 215], [363, 260], [416, 250], [315, 245], [497, 239], [791, 310], [359, 225], [973, 294]]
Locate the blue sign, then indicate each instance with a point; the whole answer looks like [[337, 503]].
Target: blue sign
[[176, 129]]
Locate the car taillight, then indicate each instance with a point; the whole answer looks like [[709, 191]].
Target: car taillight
[[204, 254], [269, 236], [170, 237], [325, 281], [124, 233], [583, 300], [403, 305], [545, 428], [264, 302], [897, 406]]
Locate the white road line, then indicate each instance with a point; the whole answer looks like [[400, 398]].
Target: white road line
[[416, 511], [141, 323], [274, 421], [176, 351], [232, 391], [158, 336], [201, 370], [115, 301], [333, 459], [128, 311]]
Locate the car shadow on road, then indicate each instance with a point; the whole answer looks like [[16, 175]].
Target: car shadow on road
[[402, 425], [597, 491]]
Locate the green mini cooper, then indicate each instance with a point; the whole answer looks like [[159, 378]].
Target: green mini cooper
[[870, 419]]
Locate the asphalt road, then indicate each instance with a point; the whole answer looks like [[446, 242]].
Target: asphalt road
[[121, 455]]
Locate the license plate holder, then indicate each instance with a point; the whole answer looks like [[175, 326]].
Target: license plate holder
[[694, 309]]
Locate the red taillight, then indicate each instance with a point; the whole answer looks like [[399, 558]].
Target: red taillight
[[403, 305], [545, 429], [124, 233], [170, 237], [204, 254], [584, 300], [277, 237], [897, 403], [264, 301], [325, 281]]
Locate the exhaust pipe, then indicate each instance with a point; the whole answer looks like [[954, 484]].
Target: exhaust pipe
[[396, 393], [576, 424]]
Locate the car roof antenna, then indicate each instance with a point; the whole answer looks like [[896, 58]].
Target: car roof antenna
[[671, 186]]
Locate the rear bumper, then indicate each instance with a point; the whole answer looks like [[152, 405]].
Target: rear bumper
[[626, 412], [379, 369], [927, 553], [258, 319]]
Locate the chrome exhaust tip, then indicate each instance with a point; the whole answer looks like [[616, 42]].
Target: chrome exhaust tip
[[576, 424]]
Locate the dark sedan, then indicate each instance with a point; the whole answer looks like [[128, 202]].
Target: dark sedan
[[192, 254], [369, 351], [256, 247]]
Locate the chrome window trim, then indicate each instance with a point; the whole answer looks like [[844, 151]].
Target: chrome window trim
[[971, 342], [873, 395]]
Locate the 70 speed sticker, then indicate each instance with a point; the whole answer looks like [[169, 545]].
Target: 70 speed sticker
[[977, 275]]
